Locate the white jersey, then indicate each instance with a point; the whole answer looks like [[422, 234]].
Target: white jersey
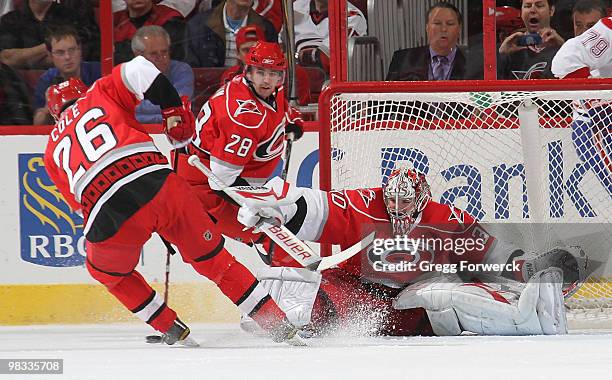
[[588, 55], [309, 34]]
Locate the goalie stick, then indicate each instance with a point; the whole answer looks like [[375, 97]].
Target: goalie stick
[[284, 238]]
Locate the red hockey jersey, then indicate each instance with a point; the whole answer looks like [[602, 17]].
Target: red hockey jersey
[[441, 235], [97, 148], [239, 134]]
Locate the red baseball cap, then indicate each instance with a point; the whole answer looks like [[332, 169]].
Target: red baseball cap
[[249, 33]]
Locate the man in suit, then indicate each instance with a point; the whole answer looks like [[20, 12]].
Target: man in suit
[[441, 59]]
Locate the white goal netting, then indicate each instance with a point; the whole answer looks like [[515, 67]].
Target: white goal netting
[[540, 161]]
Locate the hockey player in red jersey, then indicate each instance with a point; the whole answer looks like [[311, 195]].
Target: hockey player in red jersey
[[106, 166], [397, 277], [240, 134]]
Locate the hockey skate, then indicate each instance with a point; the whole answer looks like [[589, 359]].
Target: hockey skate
[[248, 324], [179, 333], [286, 332]]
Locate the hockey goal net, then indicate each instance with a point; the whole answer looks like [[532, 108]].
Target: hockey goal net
[[537, 159]]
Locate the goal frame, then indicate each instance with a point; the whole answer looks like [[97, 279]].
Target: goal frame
[[340, 87]]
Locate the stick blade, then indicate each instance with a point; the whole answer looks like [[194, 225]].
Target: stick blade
[[330, 261]]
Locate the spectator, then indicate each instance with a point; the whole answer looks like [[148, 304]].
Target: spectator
[[272, 10], [441, 59], [211, 35], [507, 21], [185, 7], [311, 26], [141, 13], [517, 61], [153, 42], [84, 10], [64, 47], [246, 38], [585, 14], [6, 6], [22, 33], [14, 104]]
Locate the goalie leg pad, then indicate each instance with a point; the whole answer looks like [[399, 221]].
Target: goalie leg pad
[[495, 308], [293, 289]]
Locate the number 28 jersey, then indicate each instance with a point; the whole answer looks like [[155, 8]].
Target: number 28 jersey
[[239, 134], [99, 156]]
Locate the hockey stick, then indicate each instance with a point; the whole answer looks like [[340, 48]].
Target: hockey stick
[[154, 338], [283, 176], [169, 251], [285, 239]]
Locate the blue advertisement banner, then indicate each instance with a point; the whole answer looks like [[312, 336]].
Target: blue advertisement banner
[[51, 233]]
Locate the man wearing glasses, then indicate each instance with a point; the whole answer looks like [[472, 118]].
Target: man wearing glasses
[[63, 45], [153, 43]]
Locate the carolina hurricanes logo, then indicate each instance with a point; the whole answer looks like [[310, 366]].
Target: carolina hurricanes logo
[[534, 71], [367, 195], [394, 256], [271, 147], [246, 106], [456, 215]]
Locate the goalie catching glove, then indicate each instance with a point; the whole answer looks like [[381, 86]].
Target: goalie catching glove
[[274, 202], [179, 123]]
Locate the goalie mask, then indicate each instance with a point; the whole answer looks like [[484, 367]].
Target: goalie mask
[[406, 194], [60, 95]]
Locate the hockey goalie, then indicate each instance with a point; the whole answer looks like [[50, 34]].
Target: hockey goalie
[[405, 282]]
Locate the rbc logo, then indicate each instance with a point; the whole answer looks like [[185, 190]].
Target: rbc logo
[[51, 233]]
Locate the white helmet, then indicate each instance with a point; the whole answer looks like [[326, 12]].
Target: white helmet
[[406, 194]]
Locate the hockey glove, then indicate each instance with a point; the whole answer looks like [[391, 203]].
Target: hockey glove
[[293, 132], [179, 123], [249, 217], [274, 202]]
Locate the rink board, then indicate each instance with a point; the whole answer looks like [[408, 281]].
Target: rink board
[[42, 274]]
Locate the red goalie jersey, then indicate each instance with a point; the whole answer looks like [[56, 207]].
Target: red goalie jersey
[[441, 234], [239, 134]]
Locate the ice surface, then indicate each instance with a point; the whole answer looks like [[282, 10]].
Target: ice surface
[[120, 352]]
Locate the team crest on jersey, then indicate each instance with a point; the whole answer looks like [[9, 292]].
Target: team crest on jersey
[[246, 106], [457, 215], [367, 195], [534, 72], [271, 147]]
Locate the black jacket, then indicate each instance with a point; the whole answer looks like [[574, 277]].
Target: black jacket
[[413, 64]]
